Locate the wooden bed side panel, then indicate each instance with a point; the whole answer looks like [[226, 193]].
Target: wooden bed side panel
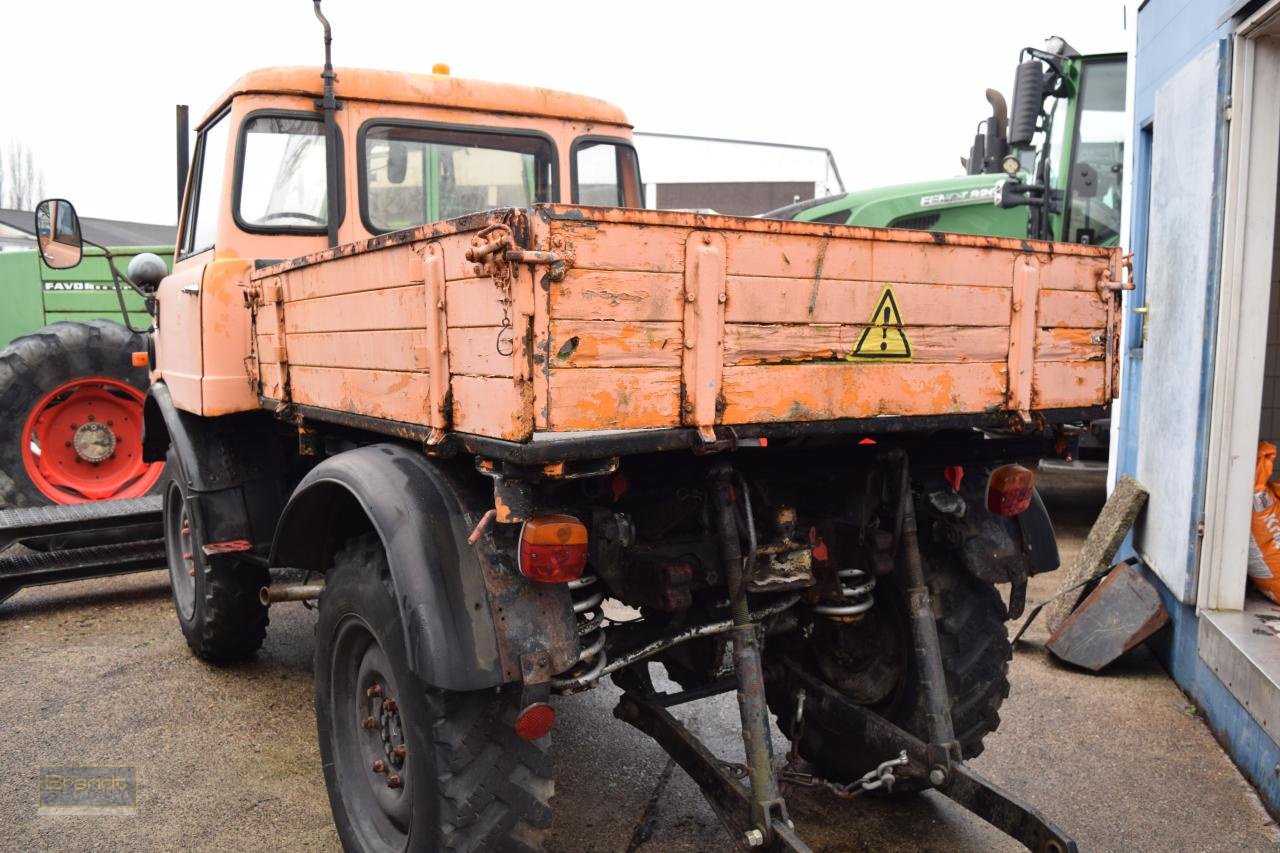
[[773, 299], [820, 392], [393, 308], [752, 343], [614, 343], [618, 295], [613, 398], [385, 349], [493, 406], [1068, 384], [391, 394]]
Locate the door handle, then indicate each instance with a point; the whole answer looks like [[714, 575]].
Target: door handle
[[192, 290]]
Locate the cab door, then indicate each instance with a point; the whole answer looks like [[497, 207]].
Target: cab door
[[179, 343]]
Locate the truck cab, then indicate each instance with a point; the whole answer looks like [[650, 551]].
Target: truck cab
[[413, 149]]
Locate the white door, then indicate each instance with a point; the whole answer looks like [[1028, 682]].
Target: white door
[[1181, 272]]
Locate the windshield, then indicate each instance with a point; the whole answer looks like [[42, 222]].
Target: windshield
[[282, 179], [1094, 184], [412, 175]]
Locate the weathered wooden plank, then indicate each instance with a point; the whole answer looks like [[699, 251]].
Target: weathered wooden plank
[[1065, 308], [391, 349], [397, 308], [1059, 344], [819, 392], [774, 343], [473, 351], [492, 406], [396, 266], [270, 381], [625, 246], [616, 398], [1068, 384], [1073, 272], [392, 394], [617, 295], [773, 299], [474, 302], [610, 343], [264, 346]]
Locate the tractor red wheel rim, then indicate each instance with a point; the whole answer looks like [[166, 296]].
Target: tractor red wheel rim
[[83, 442]]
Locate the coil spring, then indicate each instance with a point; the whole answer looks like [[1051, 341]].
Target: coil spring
[[855, 584], [590, 619]]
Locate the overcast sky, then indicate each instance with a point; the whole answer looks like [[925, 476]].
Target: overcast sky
[[894, 89]]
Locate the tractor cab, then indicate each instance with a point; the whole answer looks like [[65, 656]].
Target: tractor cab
[[1047, 166]]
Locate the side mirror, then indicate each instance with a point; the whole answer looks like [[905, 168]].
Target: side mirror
[[1028, 101], [58, 234]]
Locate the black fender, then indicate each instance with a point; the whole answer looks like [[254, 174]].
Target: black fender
[[423, 517], [234, 467], [1039, 541]]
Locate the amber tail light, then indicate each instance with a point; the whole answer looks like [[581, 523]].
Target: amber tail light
[[553, 548], [1009, 490]]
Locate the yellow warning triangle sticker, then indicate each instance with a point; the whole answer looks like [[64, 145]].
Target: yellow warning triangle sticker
[[884, 337]]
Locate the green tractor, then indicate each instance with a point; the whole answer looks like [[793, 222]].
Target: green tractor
[[1049, 169], [71, 390]]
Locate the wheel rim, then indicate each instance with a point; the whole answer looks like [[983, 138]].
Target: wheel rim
[[370, 751], [179, 544], [83, 442]]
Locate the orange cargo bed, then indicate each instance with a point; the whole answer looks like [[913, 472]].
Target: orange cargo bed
[[641, 320]]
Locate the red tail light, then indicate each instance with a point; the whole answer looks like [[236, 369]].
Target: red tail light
[[535, 721], [553, 548], [1009, 490]]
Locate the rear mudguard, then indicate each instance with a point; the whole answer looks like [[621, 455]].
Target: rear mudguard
[[468, 616]]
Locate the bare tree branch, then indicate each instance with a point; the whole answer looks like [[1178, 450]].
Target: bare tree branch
[[21, 180]]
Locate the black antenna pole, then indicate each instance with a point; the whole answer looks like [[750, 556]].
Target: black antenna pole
[[330, 106]]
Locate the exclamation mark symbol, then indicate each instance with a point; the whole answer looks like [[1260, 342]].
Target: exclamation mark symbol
[[884, 330]]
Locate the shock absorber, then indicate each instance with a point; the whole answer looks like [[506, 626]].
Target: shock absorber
[[587, 610], [855, 588]]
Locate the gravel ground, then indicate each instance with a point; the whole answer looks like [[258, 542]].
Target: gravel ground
[[96, 672]]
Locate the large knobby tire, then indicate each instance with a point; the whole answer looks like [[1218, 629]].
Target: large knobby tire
[[215, 597], [878, 649], [466, 780], [72, 407]]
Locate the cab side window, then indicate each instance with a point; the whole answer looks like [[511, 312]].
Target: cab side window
[[205, 198], [606, 174]]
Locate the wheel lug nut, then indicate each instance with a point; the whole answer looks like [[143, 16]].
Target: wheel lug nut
[[73, 426], [68, 444], [389, 705], [92, 418], [379, 766], [375, 690], [368, 723], [111, 423], [393, 781], [399, 751]]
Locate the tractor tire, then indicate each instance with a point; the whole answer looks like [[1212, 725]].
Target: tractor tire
[[215, 597], [464, 779], [73, 403], [975, 657]]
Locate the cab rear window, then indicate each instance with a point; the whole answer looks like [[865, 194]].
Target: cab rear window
[[412, 174]]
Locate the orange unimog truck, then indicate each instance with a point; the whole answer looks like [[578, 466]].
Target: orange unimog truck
[[421, 343]]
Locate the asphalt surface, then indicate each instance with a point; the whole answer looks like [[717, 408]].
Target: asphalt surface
[[97, 673]]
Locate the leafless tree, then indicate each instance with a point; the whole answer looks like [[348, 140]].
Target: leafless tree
[[21, 181]]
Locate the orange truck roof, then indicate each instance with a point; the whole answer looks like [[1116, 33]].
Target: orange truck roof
[[365, 84]]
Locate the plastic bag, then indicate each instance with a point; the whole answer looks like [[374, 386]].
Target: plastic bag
[[1264, 543]]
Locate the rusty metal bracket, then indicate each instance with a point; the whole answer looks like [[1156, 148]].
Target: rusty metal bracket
[[437, 344], [1022, 335], [984, 799], [705, 295]]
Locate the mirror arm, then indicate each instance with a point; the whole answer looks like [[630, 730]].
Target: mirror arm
[[148, 299]]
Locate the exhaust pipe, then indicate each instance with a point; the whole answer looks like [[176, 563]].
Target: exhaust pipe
[[276, 593]]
